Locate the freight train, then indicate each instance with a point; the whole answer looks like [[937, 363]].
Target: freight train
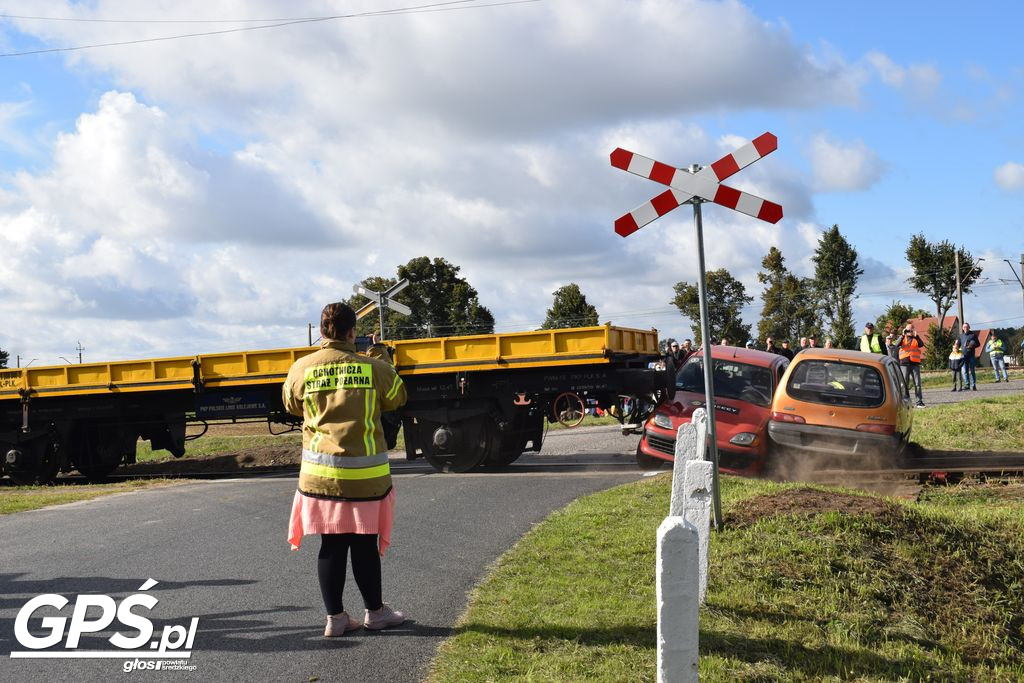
[[473, 401]]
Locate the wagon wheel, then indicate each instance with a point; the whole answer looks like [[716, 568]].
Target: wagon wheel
[[569, 409], [471, 452]]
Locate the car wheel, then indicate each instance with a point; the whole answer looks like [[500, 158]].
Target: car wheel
[[647, 462]]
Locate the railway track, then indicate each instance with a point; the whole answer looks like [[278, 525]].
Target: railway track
[[584, 463], [944, 466]]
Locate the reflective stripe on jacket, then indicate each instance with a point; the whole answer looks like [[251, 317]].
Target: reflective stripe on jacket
[[340, 395], [872, 344], [910, 351], [995, 348]]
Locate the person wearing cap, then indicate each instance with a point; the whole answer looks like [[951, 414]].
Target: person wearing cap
[[871, 341], [785, 351], [750, 344], [344, 491], [892, 344]]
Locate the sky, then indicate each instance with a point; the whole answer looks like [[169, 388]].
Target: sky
[[211, 193]]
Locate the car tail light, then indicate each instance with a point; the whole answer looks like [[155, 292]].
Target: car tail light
[[877, 429], [787, 417]]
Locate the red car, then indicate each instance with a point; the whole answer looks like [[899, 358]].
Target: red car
[[745, 381]]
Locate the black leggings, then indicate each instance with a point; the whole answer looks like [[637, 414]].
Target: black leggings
[[331, 565]]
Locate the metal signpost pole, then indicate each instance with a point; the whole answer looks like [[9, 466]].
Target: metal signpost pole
[[709, 385], [959, 294]]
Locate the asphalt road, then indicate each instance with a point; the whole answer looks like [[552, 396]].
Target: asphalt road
[[986, 389], [218, 550]]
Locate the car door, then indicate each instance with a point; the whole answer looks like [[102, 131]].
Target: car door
[[901, 398]]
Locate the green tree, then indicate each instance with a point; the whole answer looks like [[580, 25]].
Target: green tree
[[836, 272], [569, 309], [4, 357], [895, 316], [726, 297], [940, 343], [934, 265], [443, 304], [788, 310]]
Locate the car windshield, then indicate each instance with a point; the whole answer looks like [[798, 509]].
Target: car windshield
[[732, 380], [833, 382]]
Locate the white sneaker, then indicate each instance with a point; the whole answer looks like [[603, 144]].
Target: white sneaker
[[384, 617], [339, 624]]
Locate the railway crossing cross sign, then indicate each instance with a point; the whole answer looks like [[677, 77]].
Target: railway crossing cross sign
[[704, 185], [382, 300], [695, 186]]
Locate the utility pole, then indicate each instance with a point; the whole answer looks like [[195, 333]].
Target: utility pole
[[1015, 272], [80, 348], [959, 294]]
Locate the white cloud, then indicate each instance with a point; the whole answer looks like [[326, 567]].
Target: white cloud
[[1010, 176], [918, 80], [850, 166], [230, 185]]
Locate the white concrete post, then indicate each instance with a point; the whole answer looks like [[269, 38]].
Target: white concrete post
[[691, 486], [678, 604], [682, 555]]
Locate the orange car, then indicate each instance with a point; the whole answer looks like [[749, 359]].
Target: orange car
[[841, 402]]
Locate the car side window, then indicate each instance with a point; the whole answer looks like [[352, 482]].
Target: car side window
[[897, 380], [780, 372]]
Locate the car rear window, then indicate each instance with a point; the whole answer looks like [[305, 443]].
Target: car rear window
[[836, 383], [732, 380]]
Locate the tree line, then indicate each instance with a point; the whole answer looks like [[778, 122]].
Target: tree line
[[444, 304], [822, 305]]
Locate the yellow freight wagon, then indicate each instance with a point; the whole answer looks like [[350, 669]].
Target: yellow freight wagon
[[472, 400]]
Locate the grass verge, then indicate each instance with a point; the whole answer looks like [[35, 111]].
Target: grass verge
[[208, 446], [806, 584], [944, 378], [986, 424], [21, 498]]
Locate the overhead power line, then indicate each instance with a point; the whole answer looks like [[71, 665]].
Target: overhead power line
[[415, 9]]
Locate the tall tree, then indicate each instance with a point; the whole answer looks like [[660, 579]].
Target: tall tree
[[726, 297], [569, 309], [443, 304], [934, 265], [788, 310], [896, 315], [836, 272], [4, 357]]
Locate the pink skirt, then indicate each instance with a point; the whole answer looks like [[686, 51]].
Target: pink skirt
[[320, 516]]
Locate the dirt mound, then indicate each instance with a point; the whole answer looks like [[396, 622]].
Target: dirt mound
[[804, 502], [249, 459]]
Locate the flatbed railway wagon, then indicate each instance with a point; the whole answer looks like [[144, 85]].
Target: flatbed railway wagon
[[474, 401]]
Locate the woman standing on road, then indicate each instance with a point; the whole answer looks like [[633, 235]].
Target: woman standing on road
[[344, 490]]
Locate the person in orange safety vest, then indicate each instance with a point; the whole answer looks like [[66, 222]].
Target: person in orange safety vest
[[911, 352]]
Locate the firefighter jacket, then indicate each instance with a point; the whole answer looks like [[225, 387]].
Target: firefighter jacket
[[340, 395]]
